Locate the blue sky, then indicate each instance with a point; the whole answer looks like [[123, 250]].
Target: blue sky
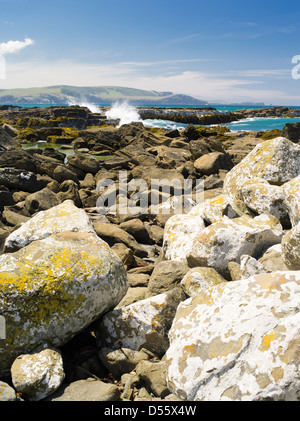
[[230, 51]]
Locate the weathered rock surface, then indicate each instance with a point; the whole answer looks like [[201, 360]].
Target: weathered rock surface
[[276, 161], [291, 191], [144, 324], [291, 248], [179, 234], [38, 375], [7, 393], [238, 341], [64, 217], [200, 279], [89, 390], [54, 288], [226, 241]]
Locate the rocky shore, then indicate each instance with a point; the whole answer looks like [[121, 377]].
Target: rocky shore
[[151, 304]]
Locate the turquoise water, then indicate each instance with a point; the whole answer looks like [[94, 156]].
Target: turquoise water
[[249, 124], [260, 124]]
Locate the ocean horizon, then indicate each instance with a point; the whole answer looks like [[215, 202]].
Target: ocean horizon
[[247, 124]]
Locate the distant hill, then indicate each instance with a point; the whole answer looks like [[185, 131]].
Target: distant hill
[[63, 94]]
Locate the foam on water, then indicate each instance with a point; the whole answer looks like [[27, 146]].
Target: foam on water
[[125, 112], [92, 107]]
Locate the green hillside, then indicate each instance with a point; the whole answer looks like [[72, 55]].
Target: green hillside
[[63, 94]]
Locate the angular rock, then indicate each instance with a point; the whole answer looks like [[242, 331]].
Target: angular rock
[[122, 360], [144, 324], [16, 179], [154, 375], [179, 234], [292, 131], [262, 197], [213, 162], [212, 210], [227, 240], [38, 375], [14, 218], [291, 248], [19, 159], [200, 279], [132, 296], [276, 161], [69, 191], [7, 393], [136, 228], [113, 234], [165, 276], [238, 341], [272, 259], [41, 200], [85, 164], [64, 217], [250, 267], [54, 288], [89, 390], [291, 191], [62, 173]]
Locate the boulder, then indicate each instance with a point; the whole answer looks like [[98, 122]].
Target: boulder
[[272, 259], [39, 374], [14, 218], [16, 179], [179, 234], [153, 373], [64, 217], [19, 159], [6, 198], [200, 279], [292, 132], [213, 162], [54, 288], [62, 173], [212, 210], [89, 390], [276, 161], [238, 341], [144, 324], [250, 267], [262, 197], [85, 164], [227, 240], [113, 234], [291, 248], [204, 146], [291, 190], [69, 191], [41, 201], [121, 361], [165, 276], [136, 228], [7, 393], [133, 295]]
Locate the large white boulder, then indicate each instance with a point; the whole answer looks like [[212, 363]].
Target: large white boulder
[[226, 241], [276, 161], [238, 341]]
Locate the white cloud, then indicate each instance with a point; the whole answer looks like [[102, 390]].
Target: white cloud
[[12, 47], [236, 86]]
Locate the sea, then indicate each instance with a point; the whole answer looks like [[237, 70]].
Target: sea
[[128, 113]]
